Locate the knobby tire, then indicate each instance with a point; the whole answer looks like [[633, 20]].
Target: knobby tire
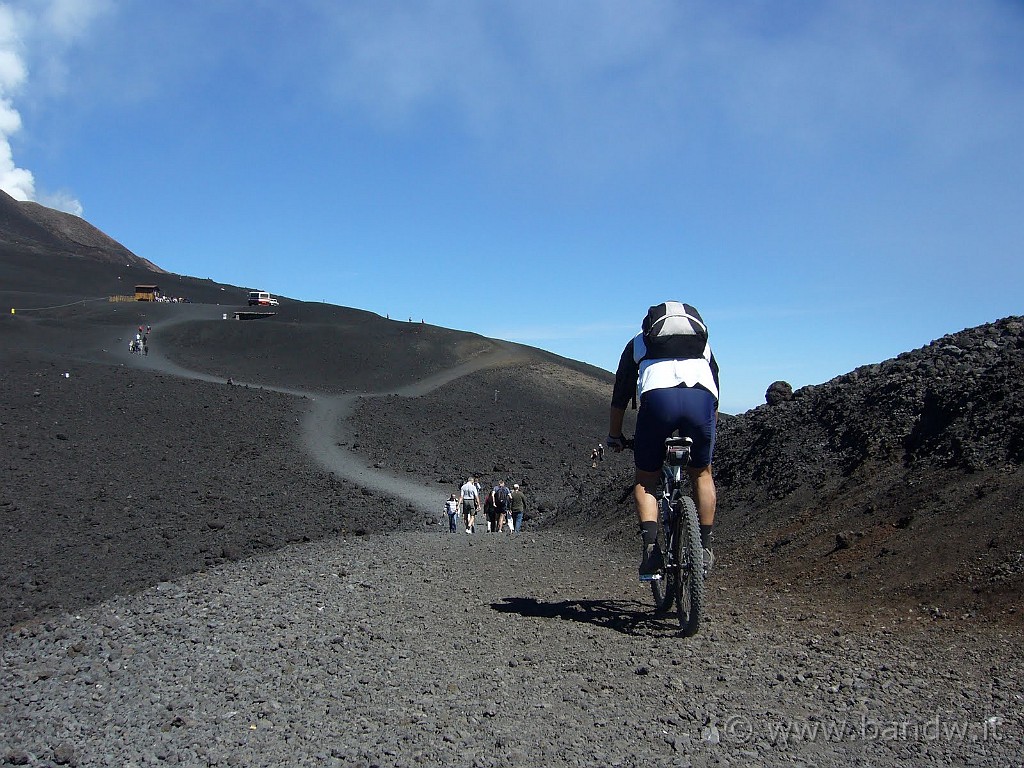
[[689, 554], [664, 589]]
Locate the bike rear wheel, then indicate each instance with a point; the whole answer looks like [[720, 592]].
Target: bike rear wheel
[[689, 557], [664, 589]]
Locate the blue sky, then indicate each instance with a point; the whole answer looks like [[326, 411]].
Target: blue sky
[[830, 183]]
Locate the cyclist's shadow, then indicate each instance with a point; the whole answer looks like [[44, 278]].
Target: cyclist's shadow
[[626, 616]]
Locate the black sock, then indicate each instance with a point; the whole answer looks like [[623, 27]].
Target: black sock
[[650, 533], [705, 535]]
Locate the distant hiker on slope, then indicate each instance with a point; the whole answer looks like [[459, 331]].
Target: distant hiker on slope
[[517, 508], [489, 516], [500, 498], [451, 508], [470, 503]]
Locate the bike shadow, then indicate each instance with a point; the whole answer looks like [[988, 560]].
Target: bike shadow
[[626, 616]]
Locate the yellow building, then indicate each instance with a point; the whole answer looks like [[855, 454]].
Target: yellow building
[[146, 292]]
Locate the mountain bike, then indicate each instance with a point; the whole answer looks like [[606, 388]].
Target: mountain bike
[[681, 581]]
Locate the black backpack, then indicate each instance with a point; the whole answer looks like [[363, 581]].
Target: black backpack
[[501, 497], [673, 330]]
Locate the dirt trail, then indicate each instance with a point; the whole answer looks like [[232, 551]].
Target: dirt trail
[[324, 431]]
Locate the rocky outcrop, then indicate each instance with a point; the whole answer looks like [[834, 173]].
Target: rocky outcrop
[[955, 403], [778, 392]]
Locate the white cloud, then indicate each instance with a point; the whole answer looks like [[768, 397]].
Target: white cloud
[[68, 20], [61, 201], [51, 26], [17, 182], [12, 69], [621, 85]]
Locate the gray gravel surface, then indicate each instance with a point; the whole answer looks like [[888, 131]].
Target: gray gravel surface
[[492, 650]]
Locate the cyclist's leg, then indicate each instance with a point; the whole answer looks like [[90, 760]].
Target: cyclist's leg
[[651, 560], [653, 425], [644, 495], [702, 415], [704, 493]]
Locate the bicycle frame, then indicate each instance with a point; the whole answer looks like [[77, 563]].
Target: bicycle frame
[[677, 456], [683, 582]]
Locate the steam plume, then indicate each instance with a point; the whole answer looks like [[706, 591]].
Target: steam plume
[[17, 182], [58, 21]]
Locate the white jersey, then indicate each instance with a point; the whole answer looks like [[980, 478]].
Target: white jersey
[[665, 374], [677, 355]]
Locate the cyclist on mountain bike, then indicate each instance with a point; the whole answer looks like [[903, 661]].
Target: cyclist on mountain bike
[[670, 366]]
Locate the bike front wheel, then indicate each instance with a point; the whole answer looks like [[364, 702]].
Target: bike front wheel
[[689, 555]]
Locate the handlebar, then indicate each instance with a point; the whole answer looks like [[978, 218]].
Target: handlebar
[[671, 442]]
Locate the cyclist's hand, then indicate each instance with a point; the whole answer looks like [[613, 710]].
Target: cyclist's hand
[[616, 443]]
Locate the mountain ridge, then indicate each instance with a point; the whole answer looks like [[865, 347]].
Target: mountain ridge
[[31, 226]]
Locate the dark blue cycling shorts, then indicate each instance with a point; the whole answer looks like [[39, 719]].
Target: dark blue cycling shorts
[[691, 410]]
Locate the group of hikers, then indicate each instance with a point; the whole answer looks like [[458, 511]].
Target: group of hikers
[[140, 344], [503, 508]]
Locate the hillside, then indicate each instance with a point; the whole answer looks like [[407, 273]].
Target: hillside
[[900, 480], [894, 486], [31, 228]]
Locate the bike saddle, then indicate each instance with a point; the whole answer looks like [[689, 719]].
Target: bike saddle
[[678, 450], [681, 441]]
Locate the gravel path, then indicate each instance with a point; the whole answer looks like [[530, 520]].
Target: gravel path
[[327, 435], [490, 650]]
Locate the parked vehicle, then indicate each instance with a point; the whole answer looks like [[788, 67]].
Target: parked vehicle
[[261, 299]]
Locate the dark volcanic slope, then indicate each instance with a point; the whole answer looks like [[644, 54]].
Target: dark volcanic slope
[[31, 228], [156, 475], [117, 479], [532, 423], [898, 479], [305, 347], [898, 483]]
